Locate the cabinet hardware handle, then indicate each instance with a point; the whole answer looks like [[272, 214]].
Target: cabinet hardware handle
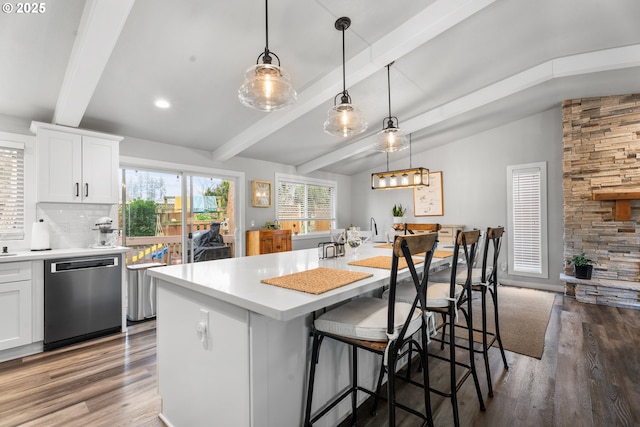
[[77, 189], [86, 190]]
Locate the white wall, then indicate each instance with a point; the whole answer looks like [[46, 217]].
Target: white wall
[[475, 186]]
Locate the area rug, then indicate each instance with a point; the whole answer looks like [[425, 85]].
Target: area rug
[[524, 316]]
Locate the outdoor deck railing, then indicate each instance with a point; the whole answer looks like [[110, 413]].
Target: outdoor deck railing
[[165, 249]]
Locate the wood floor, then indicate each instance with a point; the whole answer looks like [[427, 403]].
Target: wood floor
[[109, 382], [589, 375]]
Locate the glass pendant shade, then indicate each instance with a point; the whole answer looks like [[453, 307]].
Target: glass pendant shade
[[267, 87], [345, 120], [391, 139]]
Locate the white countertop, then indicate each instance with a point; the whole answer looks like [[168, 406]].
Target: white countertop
[[237, 280], [60, 253]]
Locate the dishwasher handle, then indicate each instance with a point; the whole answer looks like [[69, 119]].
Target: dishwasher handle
[[83, 264]]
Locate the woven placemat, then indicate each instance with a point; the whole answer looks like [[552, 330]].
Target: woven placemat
[[385, 246], [316, 281], [383, 262]]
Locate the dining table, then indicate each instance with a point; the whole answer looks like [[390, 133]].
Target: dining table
[[233, 336]]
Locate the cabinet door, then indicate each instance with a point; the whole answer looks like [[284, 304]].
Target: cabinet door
[[59, 167], [15, 314], [266, 243], [100, 170], [280, 242]]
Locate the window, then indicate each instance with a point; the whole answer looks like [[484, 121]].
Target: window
[[11, 190], [305, 205], [527, 205]]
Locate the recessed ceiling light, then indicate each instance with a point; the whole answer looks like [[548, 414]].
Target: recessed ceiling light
[[162, 103]]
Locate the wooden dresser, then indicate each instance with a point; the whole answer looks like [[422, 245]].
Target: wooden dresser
[[268, 241]]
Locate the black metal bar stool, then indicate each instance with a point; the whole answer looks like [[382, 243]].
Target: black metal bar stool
[[483, 280], [447, 299], [380, 326], [489, 282]]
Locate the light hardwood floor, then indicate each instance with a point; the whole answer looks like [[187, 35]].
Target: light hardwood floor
[[589, 375], [106, 382]]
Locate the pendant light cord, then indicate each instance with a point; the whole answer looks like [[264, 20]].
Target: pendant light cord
[[344, 74], [410, 151], [389, 85], [266, 24]]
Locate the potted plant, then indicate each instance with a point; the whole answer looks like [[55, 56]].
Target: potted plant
[[398, 213], [582, 266]]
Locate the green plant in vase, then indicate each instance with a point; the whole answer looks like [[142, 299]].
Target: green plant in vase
[[582, 266], [398, 213]]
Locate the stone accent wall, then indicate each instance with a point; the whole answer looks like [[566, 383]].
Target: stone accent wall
[[601, 140]]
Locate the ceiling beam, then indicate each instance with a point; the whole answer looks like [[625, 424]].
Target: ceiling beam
[[573, 65], [98, 32], [428, 24]]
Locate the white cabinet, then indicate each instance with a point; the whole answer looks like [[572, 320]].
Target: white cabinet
[[15, 304], [76, 166]]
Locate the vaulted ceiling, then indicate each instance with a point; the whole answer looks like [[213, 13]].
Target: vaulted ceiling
[[461, 66]]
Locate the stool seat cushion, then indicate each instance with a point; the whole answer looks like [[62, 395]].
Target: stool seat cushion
[[405, 292], [438, 294], [366, 319]]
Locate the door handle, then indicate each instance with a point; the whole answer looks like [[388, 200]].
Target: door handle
[[77, 189], [86, 190]]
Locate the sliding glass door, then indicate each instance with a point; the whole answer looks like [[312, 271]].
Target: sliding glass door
[[164, 215]]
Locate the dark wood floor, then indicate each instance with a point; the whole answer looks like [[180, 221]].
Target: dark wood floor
[[589, 375]]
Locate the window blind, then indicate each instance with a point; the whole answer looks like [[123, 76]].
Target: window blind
[[307, 203], [11, 191], [527, 220]]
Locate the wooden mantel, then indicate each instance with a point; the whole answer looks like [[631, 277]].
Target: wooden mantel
[[623, 201]]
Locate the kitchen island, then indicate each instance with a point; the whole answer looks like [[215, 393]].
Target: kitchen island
[[234, 351]]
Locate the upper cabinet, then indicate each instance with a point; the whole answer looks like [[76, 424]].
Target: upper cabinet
[[75, 165]]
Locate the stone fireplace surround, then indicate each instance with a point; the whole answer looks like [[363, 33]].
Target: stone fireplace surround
[[601, 154]]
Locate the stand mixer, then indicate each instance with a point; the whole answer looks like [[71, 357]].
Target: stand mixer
[[105, 235]]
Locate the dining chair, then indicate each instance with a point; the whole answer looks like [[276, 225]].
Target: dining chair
[[483, 280], [447, 298], [383, 327]]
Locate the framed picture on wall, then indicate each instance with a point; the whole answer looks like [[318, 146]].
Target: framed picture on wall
[[260, 194], [428, 201]]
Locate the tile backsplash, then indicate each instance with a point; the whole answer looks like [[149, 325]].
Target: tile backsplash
[[71, 224]]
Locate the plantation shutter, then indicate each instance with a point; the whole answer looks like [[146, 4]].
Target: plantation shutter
[[11, 190], [527, 220]]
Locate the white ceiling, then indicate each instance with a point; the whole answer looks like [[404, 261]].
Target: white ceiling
[[461, 66]]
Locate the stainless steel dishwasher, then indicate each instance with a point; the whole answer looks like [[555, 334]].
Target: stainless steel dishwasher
[[82, 299]]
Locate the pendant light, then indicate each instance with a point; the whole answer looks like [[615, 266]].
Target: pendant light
[[266, 86], [391, 138], [403, 178], [344, 119]]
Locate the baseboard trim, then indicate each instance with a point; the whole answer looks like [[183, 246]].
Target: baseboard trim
[[540, 286]]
